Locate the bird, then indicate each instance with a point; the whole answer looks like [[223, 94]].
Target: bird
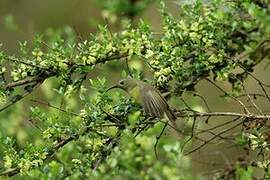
[[150, 98]]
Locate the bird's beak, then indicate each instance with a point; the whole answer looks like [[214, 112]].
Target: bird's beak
[[115, 86]]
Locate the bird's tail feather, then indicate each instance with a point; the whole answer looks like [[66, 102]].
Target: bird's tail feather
[[171, 115]]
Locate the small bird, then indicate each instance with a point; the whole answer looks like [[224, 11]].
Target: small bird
[[152, 101]]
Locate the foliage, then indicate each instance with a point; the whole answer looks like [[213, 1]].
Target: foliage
[[91, 133]]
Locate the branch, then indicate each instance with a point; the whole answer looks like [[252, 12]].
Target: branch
[[18, 98], [13, 171], [211, 139], [158, 138], [234, 98], [28, 64], [222, 114], [24, 82], [218, 126], [54, 107], [107, 149], [39, 79]]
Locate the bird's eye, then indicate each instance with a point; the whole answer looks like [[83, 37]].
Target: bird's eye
[[121, 83]]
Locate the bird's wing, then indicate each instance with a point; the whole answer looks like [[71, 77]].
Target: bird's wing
[[153, 102]]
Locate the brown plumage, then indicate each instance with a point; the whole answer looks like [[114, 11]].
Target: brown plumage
[[154, 104], [152, 101]]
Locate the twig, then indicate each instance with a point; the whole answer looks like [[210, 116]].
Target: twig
[[211, 139], [219, 136], [200, 96], [39, 79], [54, 107], [234, 98], [261, 84], [141, 130], [224, 114], [108, 146], [17, 99], [24, 82], [179, 132], [35, 125], [28, 64], [111, 116], [191, 136], [185, 103], [204, 101], [251, 94], [218, 126], [14, 171], [159, 136], [251, 100]]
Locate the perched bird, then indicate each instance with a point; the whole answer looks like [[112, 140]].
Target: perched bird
[[152, 101]]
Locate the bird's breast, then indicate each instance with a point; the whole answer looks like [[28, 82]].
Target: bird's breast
[[135, 94]]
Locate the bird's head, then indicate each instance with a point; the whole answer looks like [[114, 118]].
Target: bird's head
[[126, 84]]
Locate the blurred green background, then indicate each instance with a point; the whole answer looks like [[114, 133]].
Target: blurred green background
[[21, 19]]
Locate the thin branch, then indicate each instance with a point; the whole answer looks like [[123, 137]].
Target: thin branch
[[234, 98], [39, 79], [204, 101], [214, 137], [129, 72], [219, 136], [179, 132], [141, 129], [196, 94], [28, 64], [24, 82], [54, 107], [218, 126], [223, 114], [159, 136], [20, 97], [14, 171], [261, 84], [255, 95], [107, 148], [191, 136], [251, 100], [185, 103], [35, 125]]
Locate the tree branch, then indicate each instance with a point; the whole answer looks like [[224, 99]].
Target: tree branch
[[222, 114], [14, 171]]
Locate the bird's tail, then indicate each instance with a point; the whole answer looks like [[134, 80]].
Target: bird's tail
[[171, 116]]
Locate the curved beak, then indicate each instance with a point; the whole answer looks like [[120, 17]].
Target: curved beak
[[115, 86]]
